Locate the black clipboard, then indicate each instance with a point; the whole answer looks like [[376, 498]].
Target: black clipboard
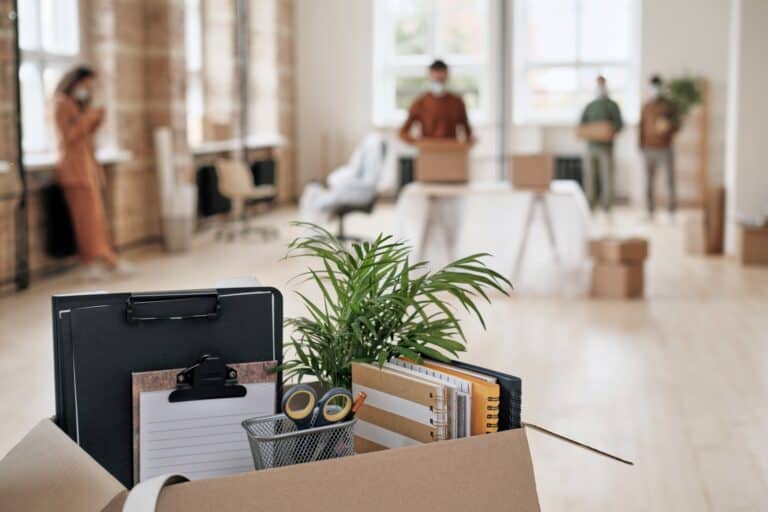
[[100, 339]]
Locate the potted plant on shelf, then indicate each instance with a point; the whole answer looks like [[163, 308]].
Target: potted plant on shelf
[[684, 92], [376, 304]]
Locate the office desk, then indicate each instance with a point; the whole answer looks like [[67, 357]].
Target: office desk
[[444, 222]]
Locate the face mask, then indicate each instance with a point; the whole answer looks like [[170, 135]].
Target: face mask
[[82, 95], [602, 90], [655, 91], [437, 88]]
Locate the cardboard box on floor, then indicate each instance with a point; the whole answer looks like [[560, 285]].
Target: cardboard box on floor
[[532, 172], [618, 281], [753, 245], [48, 471], [618, 272], [618, 250], [442, 161]]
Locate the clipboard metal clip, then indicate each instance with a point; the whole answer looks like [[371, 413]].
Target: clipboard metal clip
[[208, 378], [142, 307]]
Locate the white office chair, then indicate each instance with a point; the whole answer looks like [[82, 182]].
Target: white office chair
[[352, 187], [236, 184]]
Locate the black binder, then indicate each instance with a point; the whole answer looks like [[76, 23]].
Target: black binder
[[100, 339], [510, 398]]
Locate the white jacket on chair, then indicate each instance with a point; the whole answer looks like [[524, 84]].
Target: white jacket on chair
[[354, 183]]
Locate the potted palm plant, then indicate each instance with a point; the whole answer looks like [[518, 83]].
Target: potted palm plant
[[376, 304]]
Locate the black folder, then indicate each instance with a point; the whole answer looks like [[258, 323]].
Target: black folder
[[100, 339], [510, 398]]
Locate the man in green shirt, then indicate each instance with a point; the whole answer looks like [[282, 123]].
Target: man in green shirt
[[598, 162]]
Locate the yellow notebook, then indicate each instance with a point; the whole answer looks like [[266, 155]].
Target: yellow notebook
[[485, 397]]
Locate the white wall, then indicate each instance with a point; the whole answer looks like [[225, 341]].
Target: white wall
[[691, 36], [334, 88], [334, 92], [746, 175]]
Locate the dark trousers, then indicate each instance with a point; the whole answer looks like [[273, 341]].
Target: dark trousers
[[653, 159]]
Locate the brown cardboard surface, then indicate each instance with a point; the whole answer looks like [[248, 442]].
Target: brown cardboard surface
[[532, 171], [492, 472], [598, 131], [618, 250], [47, 471], [442, 161], [753, 245], [617, 281]]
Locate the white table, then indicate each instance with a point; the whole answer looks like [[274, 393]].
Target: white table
[[444, 222]]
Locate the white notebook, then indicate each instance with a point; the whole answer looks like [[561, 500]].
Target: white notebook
[[463, 393]]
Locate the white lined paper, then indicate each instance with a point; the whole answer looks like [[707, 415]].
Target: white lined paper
[[200, 438]]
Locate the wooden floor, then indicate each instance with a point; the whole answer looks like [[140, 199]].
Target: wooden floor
[[677, 382]]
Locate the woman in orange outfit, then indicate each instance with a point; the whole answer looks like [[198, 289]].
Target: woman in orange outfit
[[80, 175]]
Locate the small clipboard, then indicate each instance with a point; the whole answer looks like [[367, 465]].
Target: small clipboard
[[188, 420]]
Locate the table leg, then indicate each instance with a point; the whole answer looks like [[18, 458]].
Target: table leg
[[524, 239], [550, 228], [426, 232]]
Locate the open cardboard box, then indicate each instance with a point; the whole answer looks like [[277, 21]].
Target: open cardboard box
[[442, 161], [46, 470]]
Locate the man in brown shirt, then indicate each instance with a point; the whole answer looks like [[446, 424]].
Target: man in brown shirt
[[659, 123], [438, 112]]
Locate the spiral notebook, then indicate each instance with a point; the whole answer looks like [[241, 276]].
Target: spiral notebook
[[400, 410], [485, 397], [461, 419]]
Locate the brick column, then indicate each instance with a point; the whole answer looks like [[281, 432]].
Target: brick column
[[165, 78], [117, 38], [271, 81], [138, 48], [9, 181], [220, 84]]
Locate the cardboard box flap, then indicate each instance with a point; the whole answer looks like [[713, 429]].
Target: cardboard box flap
[[568, 440], [491, 472], [48, 471]]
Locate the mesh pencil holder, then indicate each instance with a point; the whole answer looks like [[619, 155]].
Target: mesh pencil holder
[[275, 441]]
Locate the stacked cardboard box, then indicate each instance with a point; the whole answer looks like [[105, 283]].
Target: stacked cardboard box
[[618, 272]]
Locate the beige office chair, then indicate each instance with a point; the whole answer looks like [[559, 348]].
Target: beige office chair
[[236, 184]]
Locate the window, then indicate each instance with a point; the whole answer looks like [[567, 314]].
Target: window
[[561, 46], [193, 42], [410, 34], [49, 38]]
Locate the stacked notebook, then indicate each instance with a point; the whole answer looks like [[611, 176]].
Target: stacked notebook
[[410, 403]]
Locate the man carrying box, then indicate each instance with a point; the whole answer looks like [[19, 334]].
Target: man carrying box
[[438, 112], [658, 124], [446, 135], [600, 122]]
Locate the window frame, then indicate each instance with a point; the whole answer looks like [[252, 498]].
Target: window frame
[[387, 67], [43, 60], [523, 116]]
